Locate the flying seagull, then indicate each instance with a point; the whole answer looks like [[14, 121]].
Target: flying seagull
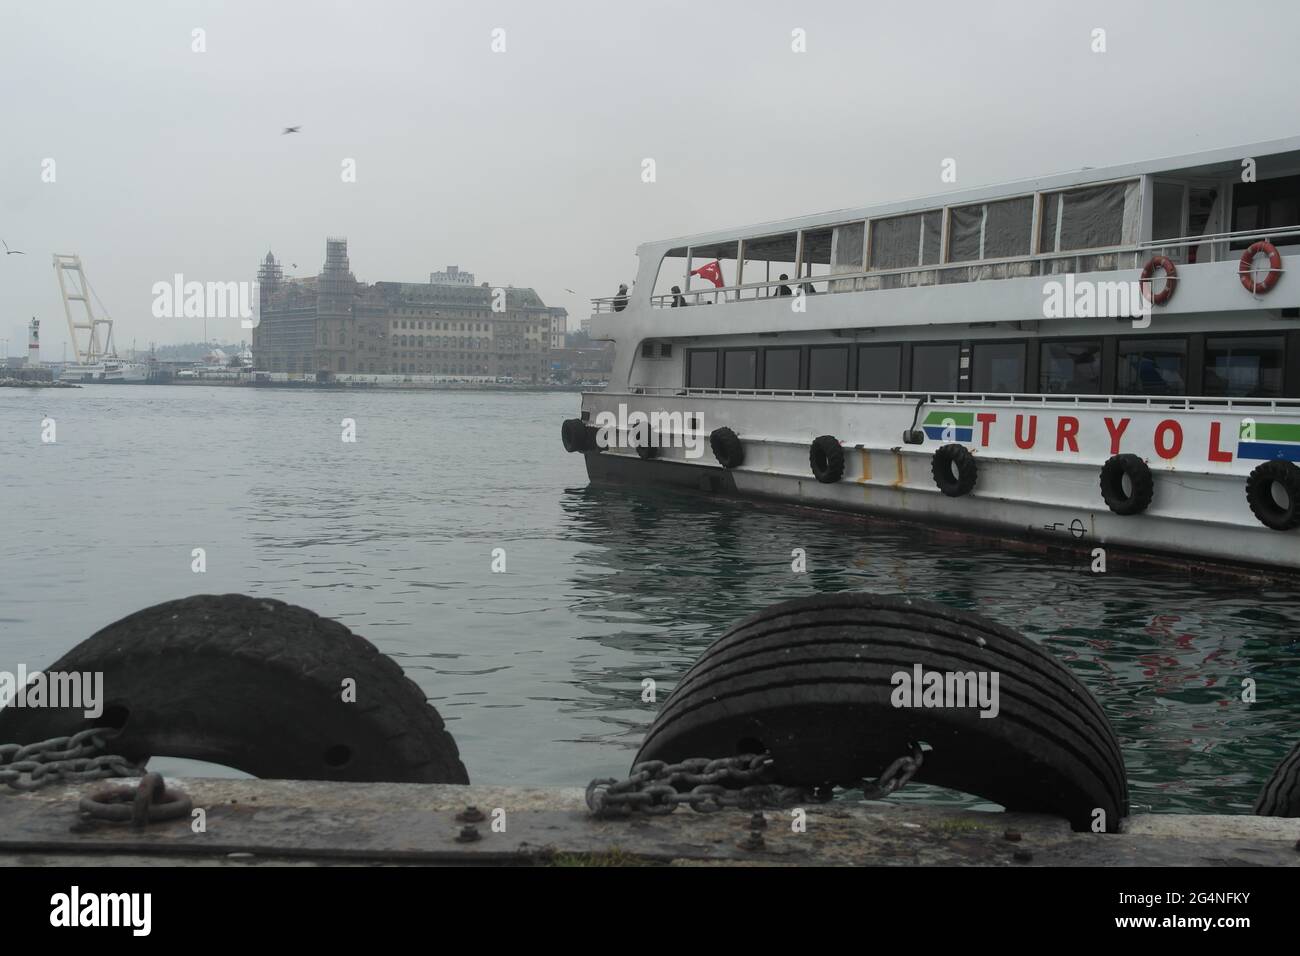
[[11, 252], [570, 290], [291, 129]]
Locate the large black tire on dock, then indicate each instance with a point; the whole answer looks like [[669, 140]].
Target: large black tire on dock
[[810, 682], [254, 684], [1281, 794]]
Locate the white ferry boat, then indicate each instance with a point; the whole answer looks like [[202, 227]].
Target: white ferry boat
[[1106, 358], [107, 371]]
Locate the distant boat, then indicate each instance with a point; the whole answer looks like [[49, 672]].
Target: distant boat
[[107, 372]]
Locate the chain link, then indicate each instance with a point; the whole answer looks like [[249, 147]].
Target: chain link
[[896, 775], [74, 759], [706, 786]]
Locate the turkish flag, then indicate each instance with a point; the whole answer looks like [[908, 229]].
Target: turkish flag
[[712, 272]]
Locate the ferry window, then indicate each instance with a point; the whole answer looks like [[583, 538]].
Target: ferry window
[[906, 240], [996, 230], [1070, 368], [1266, 204], [1151, 367], [739, 368], [880, 368], [828, 367], [1167, 211], [702, 371], [934, 367], [781, 368], [1244, 366], [1090, 218], [767, 258], [998, 367]]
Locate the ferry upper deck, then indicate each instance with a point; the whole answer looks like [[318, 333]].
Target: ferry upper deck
[[979, 255]]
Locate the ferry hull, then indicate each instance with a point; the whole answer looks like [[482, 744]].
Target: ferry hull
[[1199, 517]]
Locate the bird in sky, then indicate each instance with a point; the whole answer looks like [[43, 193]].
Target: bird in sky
[[570, 291], [291, 129], [11, 252]]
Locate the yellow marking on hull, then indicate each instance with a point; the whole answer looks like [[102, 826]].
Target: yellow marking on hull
[[898, 461], [866, 465]]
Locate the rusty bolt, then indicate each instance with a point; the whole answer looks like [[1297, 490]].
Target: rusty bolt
[[1012, 835], [468, 834], [758, 821], [471, 814], [1023, 856], [754, 841]]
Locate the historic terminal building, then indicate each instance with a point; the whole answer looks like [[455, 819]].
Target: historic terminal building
[[447, 327]]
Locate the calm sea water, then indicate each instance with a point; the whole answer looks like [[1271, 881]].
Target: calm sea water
[[538, 670]]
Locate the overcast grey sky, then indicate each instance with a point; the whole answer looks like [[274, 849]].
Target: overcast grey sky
[[525, 166]]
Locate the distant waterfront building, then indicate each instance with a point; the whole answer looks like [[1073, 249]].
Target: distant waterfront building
[[453, 276], [559, 328], [333, 323]]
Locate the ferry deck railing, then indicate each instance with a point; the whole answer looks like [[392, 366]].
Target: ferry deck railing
[[1106, 259], [1162, 402]]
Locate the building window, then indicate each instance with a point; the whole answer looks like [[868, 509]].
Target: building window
[[665, 349], [1090, 218], [828, 367], [995, 230], [880, 368], [998, 367], [1070, 368], [935, 367], [1243, 366], [740, 368], [904, 241], [781, 368], [702, 371], [1266, 204], [1152, 367]]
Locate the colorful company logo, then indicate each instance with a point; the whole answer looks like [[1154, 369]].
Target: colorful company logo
[[949, 426], [1268, 441]]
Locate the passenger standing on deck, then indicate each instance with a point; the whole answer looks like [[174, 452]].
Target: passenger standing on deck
[[785, 289], [620, 300], [679, 300]]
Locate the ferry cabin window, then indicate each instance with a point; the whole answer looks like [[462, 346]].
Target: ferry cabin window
[[935, 367], [1266, 204], [1070, 368], [767, 258], [1151, 367], [996, 230], [828, 368], [998, 367], [905, 241], [739, 368], [1243, 366], [702, 369], [880, 368], [1090, 218], [781, 368]]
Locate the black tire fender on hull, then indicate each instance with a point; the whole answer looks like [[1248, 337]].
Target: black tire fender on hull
[[254, 684], [727, 447], [1141, 485], [1263, 504], [811, 682], [954, 470], [826, 458]]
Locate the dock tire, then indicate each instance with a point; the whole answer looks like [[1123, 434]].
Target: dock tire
[[575, 435], [1273, 493], [254, 684], [826, 457], [812, 681], [1140, 489], [727, 447], [649, 448], [954, 470], [1281, 794]]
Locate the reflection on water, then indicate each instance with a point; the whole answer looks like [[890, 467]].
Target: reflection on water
[[539, 670]]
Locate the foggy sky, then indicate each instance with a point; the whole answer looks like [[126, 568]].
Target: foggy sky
[[525, 166]]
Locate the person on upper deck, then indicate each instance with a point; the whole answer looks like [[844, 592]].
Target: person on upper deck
[[679, 300], [620, 300], [785, 289]]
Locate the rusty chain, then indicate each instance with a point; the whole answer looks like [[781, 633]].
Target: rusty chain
[[706, 786], [74, 759]]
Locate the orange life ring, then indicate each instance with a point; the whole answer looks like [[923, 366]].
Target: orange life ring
[[1171, 279], [1247, 269]]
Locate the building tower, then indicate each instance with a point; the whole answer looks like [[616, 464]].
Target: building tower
[[34, 343], [335, 328]]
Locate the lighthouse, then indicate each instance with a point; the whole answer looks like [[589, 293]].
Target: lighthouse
[[34, 343]]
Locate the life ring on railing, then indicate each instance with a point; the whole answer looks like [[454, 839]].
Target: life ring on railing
[[954, 470], [1147, 283], [1246, 272]]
